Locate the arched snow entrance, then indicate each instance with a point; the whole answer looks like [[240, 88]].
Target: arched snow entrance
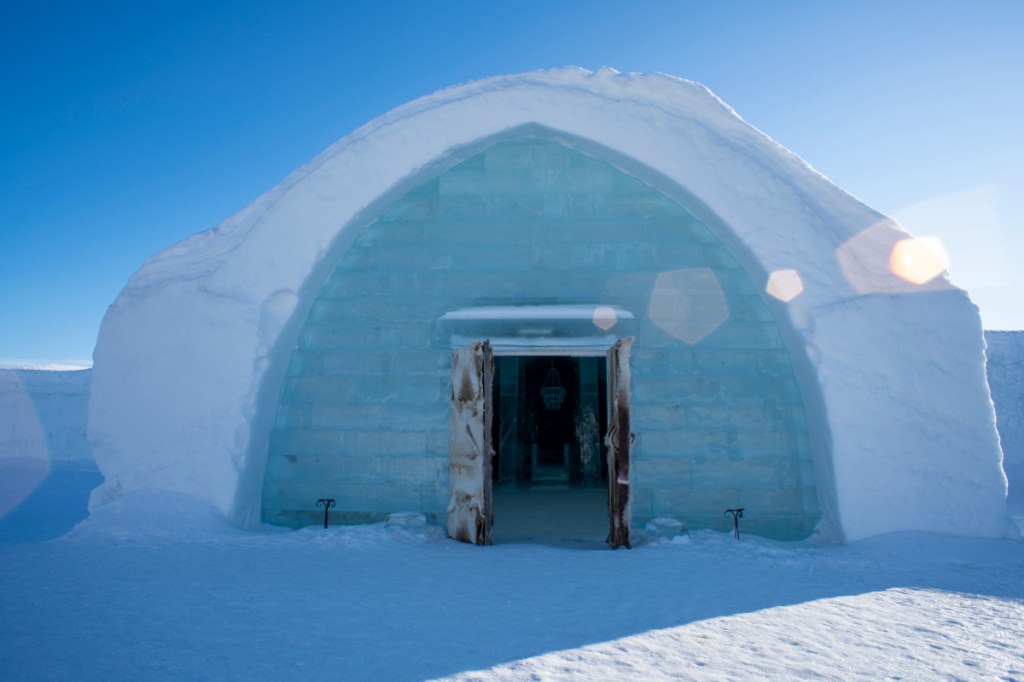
[[191, 361], [539, 227]]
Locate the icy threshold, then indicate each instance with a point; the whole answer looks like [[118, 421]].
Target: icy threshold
[[557, 515]]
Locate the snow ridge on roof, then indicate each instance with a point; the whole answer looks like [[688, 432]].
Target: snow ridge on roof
[[684, 99]]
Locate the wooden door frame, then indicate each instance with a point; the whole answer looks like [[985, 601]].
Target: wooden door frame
[[619, 440], [470, 515]]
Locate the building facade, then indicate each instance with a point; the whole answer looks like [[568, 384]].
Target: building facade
[[602, 283]]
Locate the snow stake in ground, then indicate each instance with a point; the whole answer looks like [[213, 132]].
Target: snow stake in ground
[[326, 503], [737, 514]]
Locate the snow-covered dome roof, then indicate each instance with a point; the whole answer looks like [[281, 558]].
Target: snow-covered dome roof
[[192, 353]]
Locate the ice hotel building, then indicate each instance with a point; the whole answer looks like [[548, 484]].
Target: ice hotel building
[[572, 279]]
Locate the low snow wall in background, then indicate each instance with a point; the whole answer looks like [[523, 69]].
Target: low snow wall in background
[[43, 415], [1005, 354]]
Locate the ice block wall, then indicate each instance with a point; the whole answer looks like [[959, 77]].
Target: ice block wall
[[363, 412]]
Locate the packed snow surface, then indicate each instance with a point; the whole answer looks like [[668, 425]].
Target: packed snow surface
[[44, 451], [43, 414], [160, 587], [1005, 353]]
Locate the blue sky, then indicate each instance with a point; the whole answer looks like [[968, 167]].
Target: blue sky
[[126, 127]]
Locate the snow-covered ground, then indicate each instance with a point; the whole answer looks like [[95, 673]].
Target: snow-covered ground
[[159, 587]]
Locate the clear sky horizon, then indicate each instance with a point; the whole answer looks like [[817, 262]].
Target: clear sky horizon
[[126, 127]]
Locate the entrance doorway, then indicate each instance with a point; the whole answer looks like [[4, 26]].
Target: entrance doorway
[[550, 476], [540, 446], [549, 415]]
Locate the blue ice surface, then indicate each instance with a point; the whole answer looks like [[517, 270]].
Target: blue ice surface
[[363, 411], [59, 502]]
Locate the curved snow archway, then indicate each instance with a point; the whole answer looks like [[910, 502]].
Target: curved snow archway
[[191, 355], [514, 245]]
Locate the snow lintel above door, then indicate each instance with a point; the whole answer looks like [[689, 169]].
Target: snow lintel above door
[[575, 329]]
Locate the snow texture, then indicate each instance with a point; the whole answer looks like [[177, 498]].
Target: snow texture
[[158, 587], [1005, 366], [45, 457], [568, 329], [524, 313], [43, 415], [1005, 353], [191, 355]]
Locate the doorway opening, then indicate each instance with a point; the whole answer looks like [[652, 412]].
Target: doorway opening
[[501, 437], [550, 471]]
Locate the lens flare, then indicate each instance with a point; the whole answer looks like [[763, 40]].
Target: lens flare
[[688, 304], [883, 259], [785, 285], [919, 260], [30, 464], [605, 317]]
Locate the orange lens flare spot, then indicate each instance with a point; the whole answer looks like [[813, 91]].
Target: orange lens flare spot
[[918, 260], [785, 285], [605, 318]]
